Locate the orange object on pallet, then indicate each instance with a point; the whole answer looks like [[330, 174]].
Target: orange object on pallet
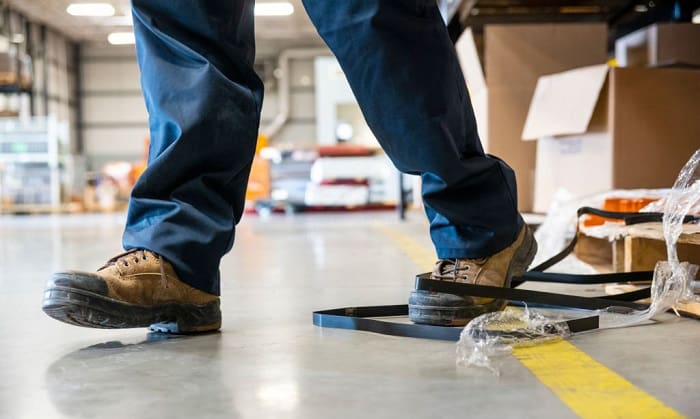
[[138, 168], [259, 180], [617, 205]]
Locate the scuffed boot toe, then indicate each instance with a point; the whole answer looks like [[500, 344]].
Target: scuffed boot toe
[[135, 289]]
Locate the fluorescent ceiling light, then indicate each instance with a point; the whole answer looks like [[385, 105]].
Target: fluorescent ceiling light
[[121, 38], [282, 8], [90, 9]]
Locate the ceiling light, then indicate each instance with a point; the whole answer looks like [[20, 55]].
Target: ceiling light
[[696, 16], [121, 38], [283, 8], [641, 8], [90, 9]]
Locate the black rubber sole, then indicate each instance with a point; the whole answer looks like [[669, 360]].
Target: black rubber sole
[[442, 309], [84, 308]]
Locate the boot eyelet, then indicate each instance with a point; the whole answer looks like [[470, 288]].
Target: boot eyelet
[[126, 264]]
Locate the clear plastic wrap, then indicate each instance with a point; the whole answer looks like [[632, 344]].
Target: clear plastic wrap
[[658, 206], [560, 224], [489, 338]]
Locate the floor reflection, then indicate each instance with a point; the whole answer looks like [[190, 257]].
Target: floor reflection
[[162, 376]]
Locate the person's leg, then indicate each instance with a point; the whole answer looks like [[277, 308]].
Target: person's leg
[[203, 98], [404, 72]]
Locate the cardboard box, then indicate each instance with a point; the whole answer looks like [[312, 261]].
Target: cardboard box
[[515, 56], [624, 128], [659, 44]]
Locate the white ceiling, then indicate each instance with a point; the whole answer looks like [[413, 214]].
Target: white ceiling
[[271, 32]]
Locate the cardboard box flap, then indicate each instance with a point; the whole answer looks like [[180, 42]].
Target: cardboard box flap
[[563, 103]]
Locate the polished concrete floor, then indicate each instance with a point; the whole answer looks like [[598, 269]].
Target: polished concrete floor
[[269, 360]]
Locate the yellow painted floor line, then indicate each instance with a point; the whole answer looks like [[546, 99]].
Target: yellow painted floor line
[[583, 384], [588, 387], [419, 254]]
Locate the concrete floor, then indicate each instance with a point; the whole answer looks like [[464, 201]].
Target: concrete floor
[[269, 360]]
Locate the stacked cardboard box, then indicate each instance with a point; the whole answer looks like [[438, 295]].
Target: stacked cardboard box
[[623, 128], [515, 57], [631, 128], [660, 44]]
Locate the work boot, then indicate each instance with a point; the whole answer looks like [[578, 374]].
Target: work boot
[[135, 289], [444, 309]]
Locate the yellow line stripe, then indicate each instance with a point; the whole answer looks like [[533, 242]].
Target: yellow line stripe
[[586, 386], [421, 256]]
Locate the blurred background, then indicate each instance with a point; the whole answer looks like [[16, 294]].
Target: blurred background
[[592, 102], [74, 129]]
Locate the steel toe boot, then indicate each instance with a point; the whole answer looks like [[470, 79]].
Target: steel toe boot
[[453, 310], [135, 289]]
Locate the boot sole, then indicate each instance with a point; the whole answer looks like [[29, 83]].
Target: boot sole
[[442, 309], [84, 308]]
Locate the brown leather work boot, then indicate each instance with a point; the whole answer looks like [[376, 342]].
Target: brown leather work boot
[[453, 310], [135, 289]]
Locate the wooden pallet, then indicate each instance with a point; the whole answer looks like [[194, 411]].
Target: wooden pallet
[[639, 249], [645, 245]]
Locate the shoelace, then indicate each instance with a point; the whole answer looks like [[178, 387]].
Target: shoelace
[[451, 269], [135, 256]]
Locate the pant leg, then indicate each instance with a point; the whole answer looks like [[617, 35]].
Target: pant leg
[[404, 72], [203, 99]]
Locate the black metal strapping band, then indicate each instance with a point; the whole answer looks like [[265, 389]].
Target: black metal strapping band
[[365, 318], [358, 318]]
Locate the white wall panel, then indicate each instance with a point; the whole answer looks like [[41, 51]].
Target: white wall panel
[[269, 108], [110, 75], [113, 109], [302, 72], [298, 134], [115, 120], [113, 106], [303, 105], [106, 143], [90, 51], [300, 129]]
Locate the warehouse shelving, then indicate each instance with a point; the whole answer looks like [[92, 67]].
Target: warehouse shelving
[[30, 161]]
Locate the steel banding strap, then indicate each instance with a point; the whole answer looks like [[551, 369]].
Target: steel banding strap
[[424, 283], [359, 318]]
